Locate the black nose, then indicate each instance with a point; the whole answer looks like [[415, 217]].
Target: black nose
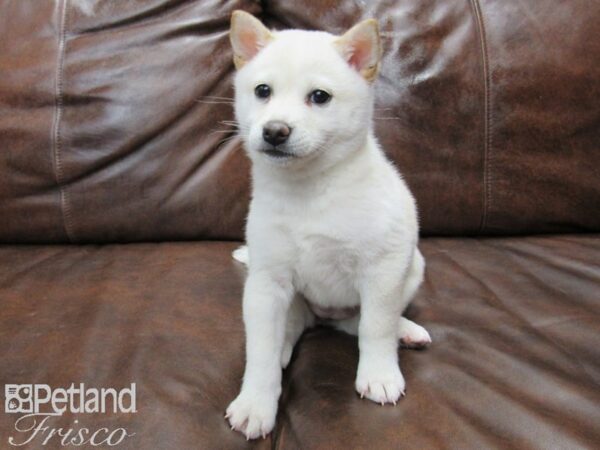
[[276, 132]]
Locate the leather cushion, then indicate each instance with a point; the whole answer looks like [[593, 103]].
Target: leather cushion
[[515, 359]]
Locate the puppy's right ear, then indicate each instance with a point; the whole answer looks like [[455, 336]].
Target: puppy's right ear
[[248, 35]]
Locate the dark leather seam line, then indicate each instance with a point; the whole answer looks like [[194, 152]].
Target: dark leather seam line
[[487, 142], [57, 139]]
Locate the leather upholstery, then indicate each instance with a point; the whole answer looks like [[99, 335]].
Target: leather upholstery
[[110, 131], [515, 359]]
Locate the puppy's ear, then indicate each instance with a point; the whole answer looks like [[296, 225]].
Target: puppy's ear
[[361, 47], [247, 35]]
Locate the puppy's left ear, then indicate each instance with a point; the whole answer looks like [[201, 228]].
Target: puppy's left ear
[[361, 48], [247, 35]]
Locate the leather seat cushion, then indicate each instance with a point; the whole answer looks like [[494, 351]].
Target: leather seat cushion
[[515, 359]]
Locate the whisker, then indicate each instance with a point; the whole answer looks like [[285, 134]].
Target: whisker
[[222, 131], [230, 130], [214, 102], [227, 139], [216, 97]]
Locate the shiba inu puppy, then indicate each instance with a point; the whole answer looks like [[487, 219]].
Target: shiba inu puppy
[[332, 230]]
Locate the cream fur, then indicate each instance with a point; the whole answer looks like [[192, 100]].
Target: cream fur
[[335, 224]]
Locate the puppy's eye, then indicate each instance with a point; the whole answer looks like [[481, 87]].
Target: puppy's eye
[[319, 97], [262, 91]]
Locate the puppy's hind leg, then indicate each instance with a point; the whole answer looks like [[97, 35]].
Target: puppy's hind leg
[[410, 334], [349, 325]]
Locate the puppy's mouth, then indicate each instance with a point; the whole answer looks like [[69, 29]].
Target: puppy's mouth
[[276, 153]]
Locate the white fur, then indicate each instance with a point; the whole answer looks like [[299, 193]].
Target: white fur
[[335, 225]]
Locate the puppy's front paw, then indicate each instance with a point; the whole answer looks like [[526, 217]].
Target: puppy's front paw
[[252, 414], [381, 383]]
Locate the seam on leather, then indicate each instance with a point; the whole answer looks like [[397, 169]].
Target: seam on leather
[[487, 140], [56, 136]]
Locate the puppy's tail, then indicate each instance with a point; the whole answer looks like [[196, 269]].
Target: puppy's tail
[[241, 254]]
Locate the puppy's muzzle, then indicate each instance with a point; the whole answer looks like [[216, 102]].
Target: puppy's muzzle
[[276, 132]]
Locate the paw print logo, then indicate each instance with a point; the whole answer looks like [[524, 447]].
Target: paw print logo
[[18, 398]]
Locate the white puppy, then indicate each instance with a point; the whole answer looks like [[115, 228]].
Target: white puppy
[[332, 227]]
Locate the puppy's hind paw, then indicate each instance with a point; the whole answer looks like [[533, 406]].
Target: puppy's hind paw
[[286, 354], [241, 254], [412, 335]]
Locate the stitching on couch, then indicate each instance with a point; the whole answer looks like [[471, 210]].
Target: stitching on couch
[[56, 136], [487, 144]]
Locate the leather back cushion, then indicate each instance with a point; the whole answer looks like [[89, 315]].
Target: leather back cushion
[[111, 115]]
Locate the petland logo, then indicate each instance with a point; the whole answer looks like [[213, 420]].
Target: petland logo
[[39, 404]]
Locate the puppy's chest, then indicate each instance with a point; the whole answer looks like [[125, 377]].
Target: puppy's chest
[[328, 243], [326, 270]]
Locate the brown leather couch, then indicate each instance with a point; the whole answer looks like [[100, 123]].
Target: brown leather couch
[[122, 195]]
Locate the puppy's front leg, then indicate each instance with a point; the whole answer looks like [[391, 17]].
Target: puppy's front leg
[[378, 377], [266, 301]]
